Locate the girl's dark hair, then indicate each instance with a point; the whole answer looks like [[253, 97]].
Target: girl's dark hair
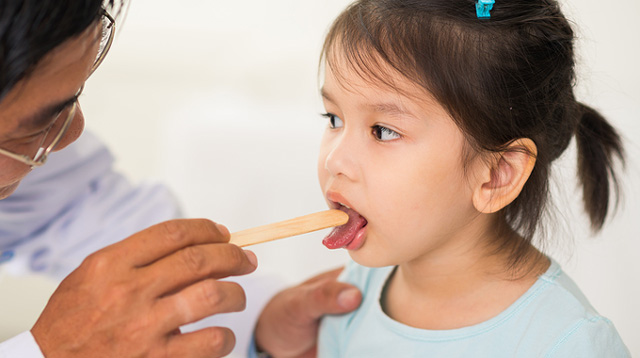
[[29, 29], [506, 77]]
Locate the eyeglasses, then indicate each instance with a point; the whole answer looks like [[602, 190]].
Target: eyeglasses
[[51, 138]]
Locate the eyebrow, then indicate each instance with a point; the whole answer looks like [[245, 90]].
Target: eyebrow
[[386, 108], [391, 109], [326, 95], [44, 116]]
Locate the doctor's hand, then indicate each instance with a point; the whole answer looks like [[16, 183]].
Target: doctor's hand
[[288, 325], [129, 299]]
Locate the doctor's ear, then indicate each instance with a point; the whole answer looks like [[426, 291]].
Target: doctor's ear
[[501, 179]]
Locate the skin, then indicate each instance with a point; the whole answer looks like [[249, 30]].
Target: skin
[[56, 79], [129, 299], [288, 325], [397, 159]]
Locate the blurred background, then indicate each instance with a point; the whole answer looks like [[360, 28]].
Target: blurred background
[[219, 100]]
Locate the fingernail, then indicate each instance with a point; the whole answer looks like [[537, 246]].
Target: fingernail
[[349, 298], [223, 230], [251, 257]]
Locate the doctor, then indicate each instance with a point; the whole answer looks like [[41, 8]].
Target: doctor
[[129, 298]]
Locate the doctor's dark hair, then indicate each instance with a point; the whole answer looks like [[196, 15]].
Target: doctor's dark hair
[[503, 78], [29, 29]]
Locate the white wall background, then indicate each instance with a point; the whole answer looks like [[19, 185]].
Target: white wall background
[[219, 100]]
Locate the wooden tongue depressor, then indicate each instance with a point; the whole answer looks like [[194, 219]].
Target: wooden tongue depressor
[[291, 227]]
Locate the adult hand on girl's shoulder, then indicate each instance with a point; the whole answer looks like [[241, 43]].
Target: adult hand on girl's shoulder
[[288, 325]]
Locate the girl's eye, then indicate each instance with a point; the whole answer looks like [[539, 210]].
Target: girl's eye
[[384, 134], [334, 121]]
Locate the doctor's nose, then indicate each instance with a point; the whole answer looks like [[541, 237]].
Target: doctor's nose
[[73, 132]]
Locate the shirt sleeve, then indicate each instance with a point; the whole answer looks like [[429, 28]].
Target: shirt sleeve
[[74, 205], [22, 345], [594, 337]]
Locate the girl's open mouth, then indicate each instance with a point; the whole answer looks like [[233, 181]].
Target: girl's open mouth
[[349, 235]]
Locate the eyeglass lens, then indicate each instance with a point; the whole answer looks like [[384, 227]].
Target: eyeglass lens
[[55, 132]]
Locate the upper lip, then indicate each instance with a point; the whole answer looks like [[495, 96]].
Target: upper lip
[[336, 200]]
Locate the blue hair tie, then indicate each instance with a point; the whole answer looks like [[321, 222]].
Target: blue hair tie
[[483, 7]]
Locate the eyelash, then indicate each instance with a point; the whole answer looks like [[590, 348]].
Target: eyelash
[[377, 130], [37, 135], [331, 118], [43, 130]]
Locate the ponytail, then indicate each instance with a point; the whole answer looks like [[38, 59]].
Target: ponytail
[[598, 143]]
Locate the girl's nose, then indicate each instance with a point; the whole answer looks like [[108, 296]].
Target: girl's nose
[[341, 158]]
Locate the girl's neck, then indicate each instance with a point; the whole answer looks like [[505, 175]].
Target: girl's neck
[[464, 288]]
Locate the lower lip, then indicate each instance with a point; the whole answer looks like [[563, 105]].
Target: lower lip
[[359, 239]]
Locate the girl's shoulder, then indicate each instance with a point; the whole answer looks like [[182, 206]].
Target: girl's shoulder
[[560, 311], [552, 319], [556, 286]]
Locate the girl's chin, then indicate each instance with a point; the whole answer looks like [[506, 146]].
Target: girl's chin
[[366, 255], [366, 260]]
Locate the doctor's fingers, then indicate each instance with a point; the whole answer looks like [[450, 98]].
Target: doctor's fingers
[[193, 264], [198, 301], [160, 240], [206, 343]]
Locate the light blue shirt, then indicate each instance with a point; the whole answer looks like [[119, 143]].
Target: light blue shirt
[[552, 319]]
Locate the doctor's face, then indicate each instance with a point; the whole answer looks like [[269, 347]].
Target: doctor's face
[[42, 101]]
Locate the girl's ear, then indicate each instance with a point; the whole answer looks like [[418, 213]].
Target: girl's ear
[[501, 181]]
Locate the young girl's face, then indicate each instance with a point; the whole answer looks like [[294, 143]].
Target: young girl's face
[[396, 160]]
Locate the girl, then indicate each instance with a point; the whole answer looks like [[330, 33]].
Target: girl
[[444, 119]]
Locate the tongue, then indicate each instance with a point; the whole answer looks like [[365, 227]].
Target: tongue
[[341, 236]]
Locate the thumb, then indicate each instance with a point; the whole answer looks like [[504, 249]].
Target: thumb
[[348, 299], [331, 297]]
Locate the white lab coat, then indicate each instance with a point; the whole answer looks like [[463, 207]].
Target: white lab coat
[[77, 204]]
